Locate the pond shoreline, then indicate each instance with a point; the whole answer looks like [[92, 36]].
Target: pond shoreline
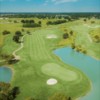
[[91, 81]]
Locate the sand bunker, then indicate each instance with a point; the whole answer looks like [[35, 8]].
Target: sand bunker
[[51, 36], [52, 81]]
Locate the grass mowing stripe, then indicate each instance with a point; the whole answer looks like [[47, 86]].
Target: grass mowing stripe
[[43, 48]]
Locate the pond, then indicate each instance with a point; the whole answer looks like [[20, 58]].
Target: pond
[[5, 74], [87, 64]]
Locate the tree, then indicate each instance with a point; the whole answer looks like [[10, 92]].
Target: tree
[[14, 92], [65, 36], [84, 51], [56, 22], [39, 22], [18, 33], [28, 32], [23, 30], [23, 21], [73, 46], [32, 21], [6, 93], [69, 98], [97, 38], [71, 32], [15, 21], [5, 32], [85, 20], [16, 38], [31, 25], [13, 61]]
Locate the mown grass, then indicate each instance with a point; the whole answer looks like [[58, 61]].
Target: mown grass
[[38, 51]]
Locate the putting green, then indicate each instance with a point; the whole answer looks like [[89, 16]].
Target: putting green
[[58, 71]]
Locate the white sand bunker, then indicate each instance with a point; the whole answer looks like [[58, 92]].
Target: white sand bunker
[[52, 81], [51, 36]]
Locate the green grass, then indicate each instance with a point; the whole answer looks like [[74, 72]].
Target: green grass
[[83, 39], [30, 73], [53, 69]]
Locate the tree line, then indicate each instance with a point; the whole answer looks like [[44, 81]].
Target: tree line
[[56, 22], [50, 15], [31, 23]]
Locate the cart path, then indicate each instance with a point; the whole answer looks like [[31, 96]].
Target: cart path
[[21, 46]]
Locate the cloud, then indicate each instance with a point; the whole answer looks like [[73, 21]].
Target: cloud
[[59, 1], [46, 2], [63, 1]]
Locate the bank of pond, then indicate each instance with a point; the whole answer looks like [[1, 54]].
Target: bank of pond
[[87, 64]]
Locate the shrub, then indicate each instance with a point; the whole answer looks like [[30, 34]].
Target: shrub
[[65, 36], [5, 32]]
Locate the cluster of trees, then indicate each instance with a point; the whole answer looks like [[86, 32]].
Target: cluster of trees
[[5, 32], [85, 20], [8, 93], [17, 36], [96, 38], [79, 48], [30, 23], [27, 21], [67, 35], [95, 35], [56, 22]]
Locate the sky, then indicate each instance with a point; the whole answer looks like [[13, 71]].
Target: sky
[[49, 5]]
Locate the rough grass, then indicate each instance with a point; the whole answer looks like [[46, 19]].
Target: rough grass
[[1, 40]]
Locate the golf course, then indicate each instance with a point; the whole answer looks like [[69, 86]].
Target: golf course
[[37, 70]]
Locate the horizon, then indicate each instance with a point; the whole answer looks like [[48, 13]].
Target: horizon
[[50, 12]]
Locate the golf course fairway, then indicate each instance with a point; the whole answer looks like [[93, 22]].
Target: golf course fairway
[[38, 64]]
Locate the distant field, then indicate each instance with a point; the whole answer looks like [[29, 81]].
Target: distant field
[[33, 70]]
